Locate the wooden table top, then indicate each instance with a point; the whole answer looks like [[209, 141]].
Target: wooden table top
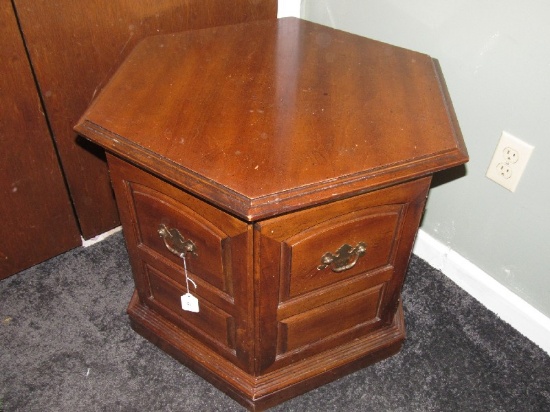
[[266, 117]]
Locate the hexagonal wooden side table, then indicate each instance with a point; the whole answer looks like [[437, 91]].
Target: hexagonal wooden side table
[[270, 178]]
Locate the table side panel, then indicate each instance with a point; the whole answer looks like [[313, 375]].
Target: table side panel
[[220, 270], [302, 311]]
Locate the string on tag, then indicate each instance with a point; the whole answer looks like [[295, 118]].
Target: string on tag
[[188, 302], [187, 278]]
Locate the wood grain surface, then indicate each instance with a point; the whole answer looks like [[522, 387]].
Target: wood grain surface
[[75, 46], [277, 114], [37, 217]]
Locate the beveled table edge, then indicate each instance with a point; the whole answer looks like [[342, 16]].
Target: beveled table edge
[[253, 209]]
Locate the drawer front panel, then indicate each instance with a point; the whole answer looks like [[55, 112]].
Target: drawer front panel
[[164, 295], [375, 228], [154, 208], [332, 320]]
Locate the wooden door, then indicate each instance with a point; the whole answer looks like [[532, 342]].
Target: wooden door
[[217, 269], [36, 213], [75, 46], [332, 275]]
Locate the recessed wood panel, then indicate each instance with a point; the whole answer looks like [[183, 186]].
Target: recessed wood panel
[[211, 321], [330, 320], [153, 208], [375, 227]]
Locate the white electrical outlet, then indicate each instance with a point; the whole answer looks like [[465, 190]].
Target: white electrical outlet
[[509, 161]]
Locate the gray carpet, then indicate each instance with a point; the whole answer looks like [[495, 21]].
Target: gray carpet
[[66, 346]]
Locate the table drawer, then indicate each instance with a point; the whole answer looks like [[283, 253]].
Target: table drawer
[[156, 211], [350, 244], [318, 249], [355, 314], [209, 323]]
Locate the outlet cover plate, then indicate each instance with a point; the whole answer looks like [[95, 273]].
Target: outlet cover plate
[[509, 161]]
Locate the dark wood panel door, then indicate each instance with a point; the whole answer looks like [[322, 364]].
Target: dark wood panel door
[[36, 213], [318, 290], [217, 271], [76, 45]]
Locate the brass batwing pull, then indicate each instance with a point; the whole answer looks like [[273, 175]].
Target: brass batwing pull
[[175, 242], [345, 258]]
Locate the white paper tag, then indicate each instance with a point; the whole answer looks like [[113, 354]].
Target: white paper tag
[[189, 303]]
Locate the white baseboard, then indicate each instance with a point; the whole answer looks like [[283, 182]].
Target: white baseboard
[[100, 237], [505, 304]]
